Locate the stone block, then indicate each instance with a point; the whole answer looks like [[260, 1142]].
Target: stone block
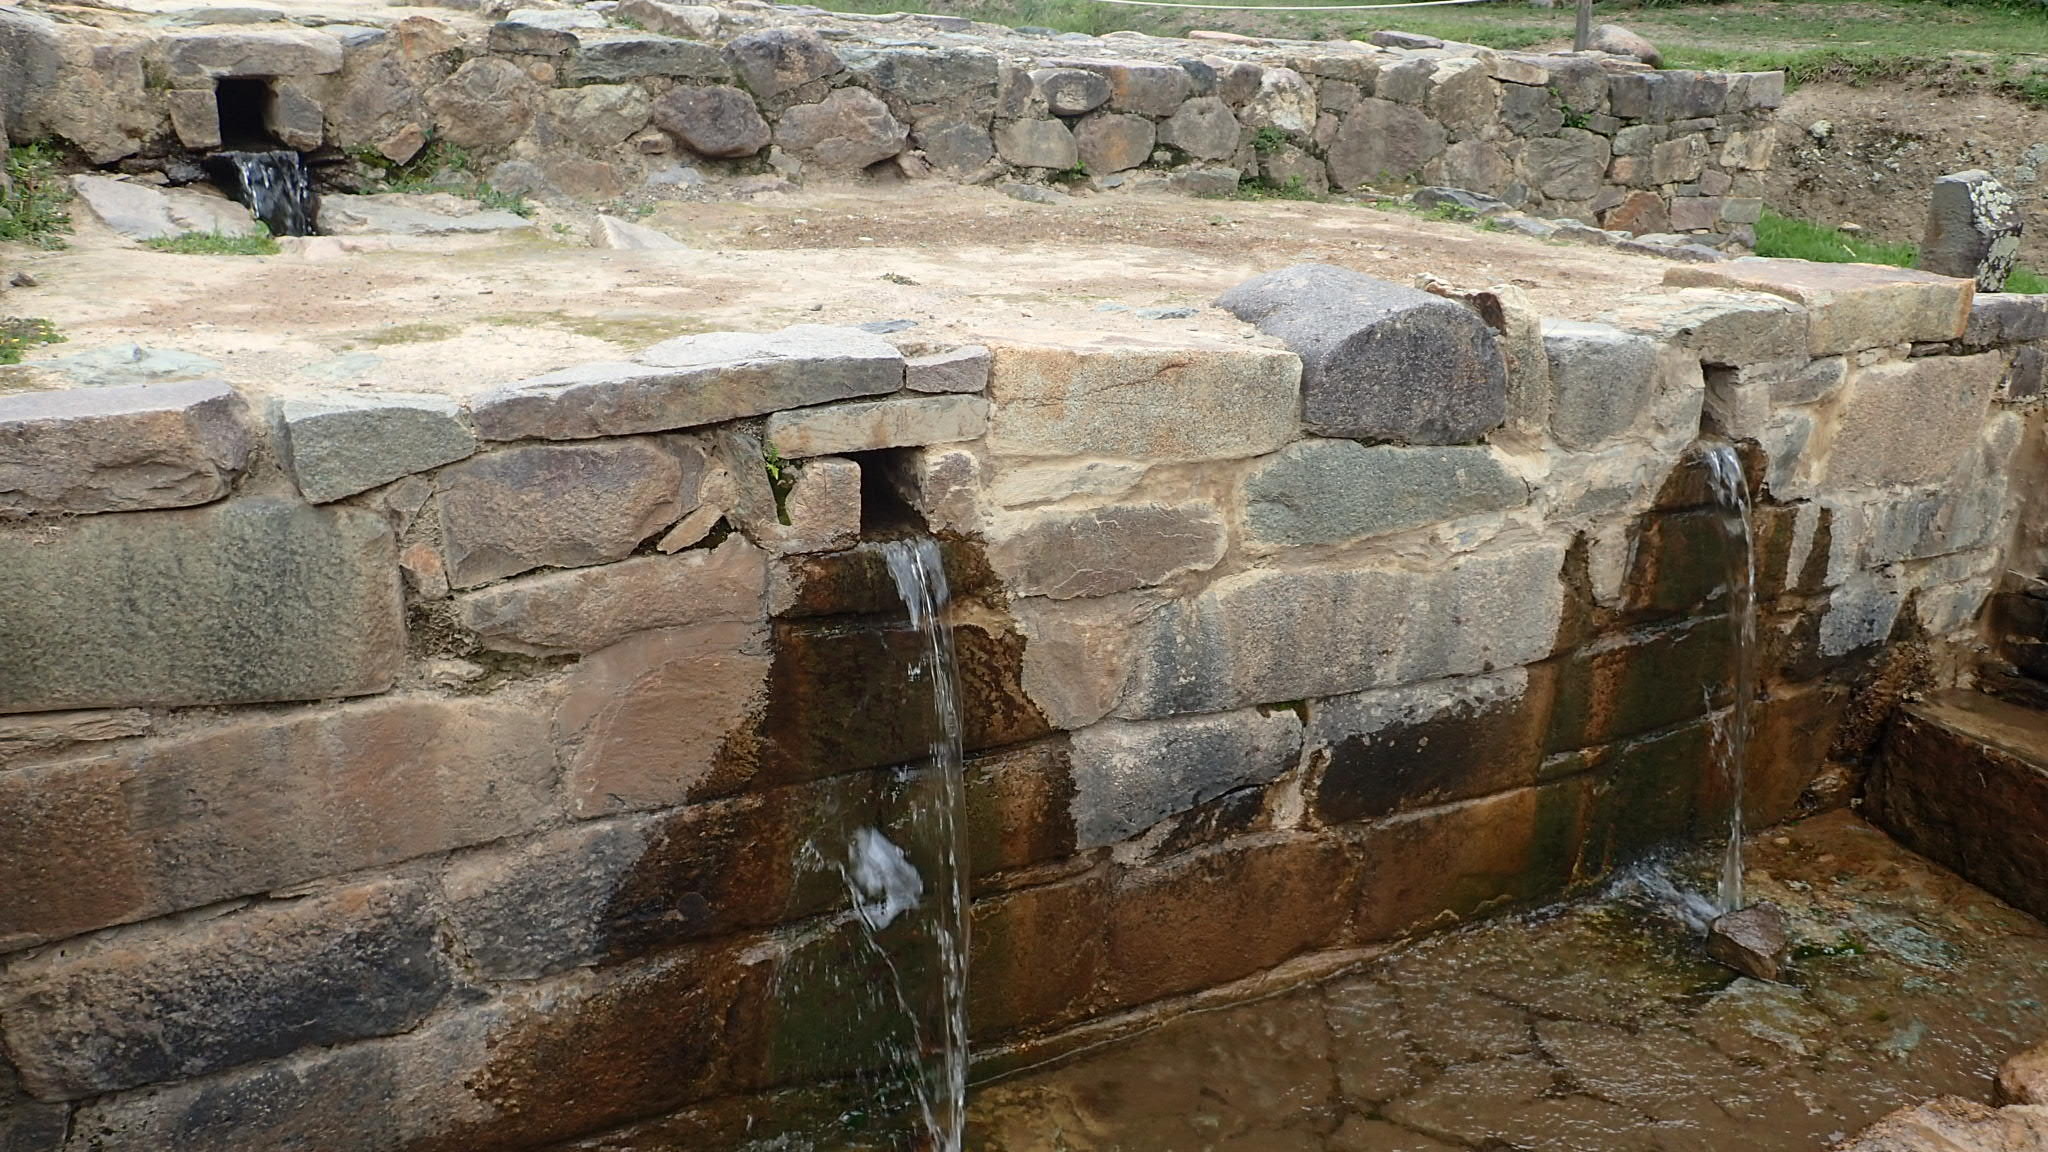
[[1849, 306], [1678, 161], [1019, 806], [1269, 635], [1070, 91], [777, 60], [1381, 140], [294, 117], [1037, 144], [1077, 654], [1204, 128], [1421, 745], [246, 601], [1128, 776], [716, 120], [1973, 230], [958, 148], [1463, 95], [845, 132], [1530, 111], [823, 508], [625, 59], [1695, 213], [180, 1001], [1621, 689], [963, 369], [38, 732], [264, 804], [1569, 165], [1155, 405], [2029, 372], [1221, 913], [1601, 381], [870, 425], [1039, 954], [195, 117], [120, 449], [1909, 421], [1284, 101], [340, 444], [1734, 328], [1062, 554], [2006, 318], [1334, 491], [559, 505], [1110, 142], [582, 611], [1666, 96], [251, 52], [1958, 773], [693, 380], [1134, 86], [961, 79], [1379, 361]]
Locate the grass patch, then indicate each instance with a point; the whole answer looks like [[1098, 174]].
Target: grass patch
[[419, 332], [20, 333], [631, 330], [215, 244], [1802, 240], [34, 212], [1292, 189], [442, 167]]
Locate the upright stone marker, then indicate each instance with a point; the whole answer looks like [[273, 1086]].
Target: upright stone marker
[[1973, 230]]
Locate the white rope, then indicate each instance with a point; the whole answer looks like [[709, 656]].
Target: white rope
[[1290, 7]]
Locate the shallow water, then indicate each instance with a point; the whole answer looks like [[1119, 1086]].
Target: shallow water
[[1594, 1028]]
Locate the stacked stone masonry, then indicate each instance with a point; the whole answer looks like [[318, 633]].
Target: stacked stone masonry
[[394, 774], [653, 95]]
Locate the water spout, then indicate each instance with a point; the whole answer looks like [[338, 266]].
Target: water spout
[[1731, 495], [274, 185]]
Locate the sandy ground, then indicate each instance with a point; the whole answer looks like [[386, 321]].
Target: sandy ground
[[963, 263]]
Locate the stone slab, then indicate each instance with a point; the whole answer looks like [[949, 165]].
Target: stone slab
[[1130, 776], [1156, 405], [1333, 491], [871, 425], [250, 600], [1849, 306], [343, 443], [1910, 421], [120, 449], [1065, 553], [559, 505], [587, 609]]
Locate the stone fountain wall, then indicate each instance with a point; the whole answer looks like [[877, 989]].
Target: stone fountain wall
[[647, 96], [410, 772]]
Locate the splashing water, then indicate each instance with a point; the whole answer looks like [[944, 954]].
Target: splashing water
[[273, 185], [1731, 495]]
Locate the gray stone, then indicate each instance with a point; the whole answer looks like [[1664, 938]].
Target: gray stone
[[1130, 776], [1033, 193], [526, 912], [1380, 361], [1113, 142], [1581, 84], [691, 21], [848, 130], [714, 121], [1065, 553], [632, 58], [1568, 166], [1381, 141], [1205, 181], [261, 983], [1157, 405], [1147, 89], [251, 52], [1910, 421], [38, 732], [397, 214], [584, 610], [195, 117], [625, 236], [693, 380], [1070, 91], [1389, 38], [2026, 378], [1275, 635], [343, 443], [2006, 318], [1666, 96], [1037, 144], [530, 37], [1463, 96], [778, 60], [120, 449], [1601, 380], [294, 117], [1285, 101], [1615, 40], [1752, 941], [1973, 230], [1405, 81], [1204, 128], [1459, 198], [1529, 111], [957, 147], [871, 425], [1334, 491], [140, 212], [486, 103], [963, 369], [556, 505], [1290, 167], [249, 600], [962, 80], [598, 116]]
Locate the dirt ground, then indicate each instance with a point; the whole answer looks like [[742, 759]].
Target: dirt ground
[[962, 263]]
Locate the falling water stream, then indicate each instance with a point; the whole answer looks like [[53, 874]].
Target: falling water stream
[[1731, 495], [273, 185]]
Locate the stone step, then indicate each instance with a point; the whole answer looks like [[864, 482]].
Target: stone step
[[1963, 779]]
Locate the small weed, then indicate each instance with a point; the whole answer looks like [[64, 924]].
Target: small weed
[[34, 212], [1070, 176], [780, 478], [1268, 140], [1784, 236], [442, 167], [215, 244], [898, 278], [20, 333], [2026, 281], [419, 332], [1291, 189], [1573, 118]]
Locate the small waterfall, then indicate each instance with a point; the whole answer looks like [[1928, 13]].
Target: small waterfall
[[274, 185], [1731, 495]]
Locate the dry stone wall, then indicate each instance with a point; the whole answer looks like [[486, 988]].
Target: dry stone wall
[[648, 96], [393, 773]]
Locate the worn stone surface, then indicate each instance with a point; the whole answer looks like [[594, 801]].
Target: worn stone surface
[[557, 506], [250, 600], [618, 235], [624, 59], [1144, 88], [120, 449], [1129, 776], [2006, 318], [1070, 91], [264, 982], [1569, 165], [263, 804], [1619, 41], [1333, 491], [36, 732], [1204, 128], [963, 369], [342, 443], [588, 609], [1420, 745], [142, 212], [1910, 421], [1951, 1122], [1172, 404], [866, 426], [1730, 328], [848, 130], [1752, 941], [1037, 144], [777, 60], [1382, 141], [1601, 381], [716, 120], [693, 380], [252, 52], [1113, 141], [486, 103], [1098, 551], [1973, 230], [2023, 1078], [1274, 635], [1849, 306], [1379, 361], [823, 508]]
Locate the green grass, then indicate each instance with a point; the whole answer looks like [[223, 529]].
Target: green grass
[[34, 213], [442, 167], [1783, 236], [20, 333], [215, 244]]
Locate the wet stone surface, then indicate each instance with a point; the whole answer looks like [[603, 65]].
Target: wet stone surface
[[1598, 1027]]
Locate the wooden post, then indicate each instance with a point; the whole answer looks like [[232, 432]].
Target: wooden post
[[1582, 37]]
